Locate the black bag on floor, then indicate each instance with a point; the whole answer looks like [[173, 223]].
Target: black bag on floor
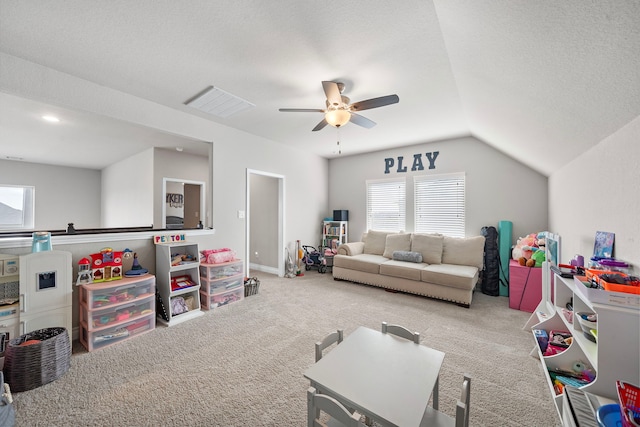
[[490, 277]]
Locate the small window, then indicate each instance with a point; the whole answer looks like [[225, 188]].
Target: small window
[[440, 204], [16, 207], [386, 202]]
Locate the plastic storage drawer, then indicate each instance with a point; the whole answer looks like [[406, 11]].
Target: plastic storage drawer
[[94, 340], [209, 302], [221, 285], [102, 295], [218, 271], [95, 319]]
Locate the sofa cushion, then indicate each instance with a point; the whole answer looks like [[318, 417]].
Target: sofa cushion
[[456, 276], [463, 251], [405, 270], [368, 263], [396, 242], [375, 241], [429, 245], [407, 256]]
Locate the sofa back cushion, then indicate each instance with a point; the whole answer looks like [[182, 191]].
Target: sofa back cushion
[[429, 245], [463, 251], [396, 242], [375, 241]]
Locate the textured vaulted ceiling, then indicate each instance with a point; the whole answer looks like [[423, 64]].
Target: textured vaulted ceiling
[[540, 81]]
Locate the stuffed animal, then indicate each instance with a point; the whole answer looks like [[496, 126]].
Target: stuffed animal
[[524, 247], [529, 250]]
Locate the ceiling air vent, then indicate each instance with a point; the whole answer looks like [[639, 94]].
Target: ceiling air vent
[[219, 103]]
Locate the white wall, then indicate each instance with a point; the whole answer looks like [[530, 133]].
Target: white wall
[[305, 205], [497, 187], [233, 151], [63, 194], [178, 166], [598, 191], [263, 202], [127, 192]]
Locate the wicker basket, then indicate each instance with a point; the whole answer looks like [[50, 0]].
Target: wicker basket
[[30, 366], [251, 286]]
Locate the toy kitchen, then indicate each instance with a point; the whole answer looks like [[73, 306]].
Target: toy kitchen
[[35, 293]]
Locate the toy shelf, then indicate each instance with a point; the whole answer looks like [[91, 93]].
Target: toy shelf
[[613, 357], [169, 271], [337, 230]]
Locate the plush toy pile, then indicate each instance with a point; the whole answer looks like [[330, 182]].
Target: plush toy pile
[[529, 250]]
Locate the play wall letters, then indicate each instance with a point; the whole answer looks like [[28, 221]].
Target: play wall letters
[[417, 162]]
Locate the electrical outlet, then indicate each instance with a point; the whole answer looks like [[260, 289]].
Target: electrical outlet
[[241, 214]]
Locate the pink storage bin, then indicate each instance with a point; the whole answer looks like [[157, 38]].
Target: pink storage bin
[[218, 256]]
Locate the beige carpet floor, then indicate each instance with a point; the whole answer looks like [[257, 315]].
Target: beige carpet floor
[[242, 364]]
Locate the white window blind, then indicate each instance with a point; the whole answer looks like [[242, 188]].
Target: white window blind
[[16, 207], [386, 203], [439, 204]]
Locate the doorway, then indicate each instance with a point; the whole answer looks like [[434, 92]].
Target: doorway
[[265, 222]]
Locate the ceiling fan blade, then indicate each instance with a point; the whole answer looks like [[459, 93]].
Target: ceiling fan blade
[[374, 102], [332, 92], [320, 125], [301, 110], [362, 121]]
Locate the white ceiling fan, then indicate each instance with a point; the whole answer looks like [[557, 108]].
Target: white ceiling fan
[[340, 111]]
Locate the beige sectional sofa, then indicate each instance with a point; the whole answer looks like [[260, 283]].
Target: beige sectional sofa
[[432, 265]]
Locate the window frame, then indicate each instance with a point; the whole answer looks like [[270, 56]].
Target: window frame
[[449, 203], [384, 184], [27, 218]]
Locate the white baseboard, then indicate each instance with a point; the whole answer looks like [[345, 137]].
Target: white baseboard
[[263, 268]]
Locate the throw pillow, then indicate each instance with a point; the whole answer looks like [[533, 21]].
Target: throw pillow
[[396, 242], [429, 245], [407, 256], [375, 242], [463, 251]]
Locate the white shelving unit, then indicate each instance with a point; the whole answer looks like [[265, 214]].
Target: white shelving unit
[[169, 268], [331, 230], [615, 356]]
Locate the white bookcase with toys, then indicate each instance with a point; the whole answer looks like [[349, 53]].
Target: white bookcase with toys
[[604, 342], [334, 230], [178, 282]]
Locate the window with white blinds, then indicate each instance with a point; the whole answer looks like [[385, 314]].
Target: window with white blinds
[[386, 204], [439, 204]]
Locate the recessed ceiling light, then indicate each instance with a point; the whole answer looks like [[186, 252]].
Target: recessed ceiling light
[[51, 119], [179, 149]]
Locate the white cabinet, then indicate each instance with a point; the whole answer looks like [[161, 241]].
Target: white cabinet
[[178, 282], [334, 230], [615, 356]]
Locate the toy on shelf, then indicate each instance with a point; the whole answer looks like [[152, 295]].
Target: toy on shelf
[[84, 272], [106, 265], [218, 256], [136, 268], [178, 259]]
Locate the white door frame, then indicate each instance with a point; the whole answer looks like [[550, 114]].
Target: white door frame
[[281, 218], [182, 181]]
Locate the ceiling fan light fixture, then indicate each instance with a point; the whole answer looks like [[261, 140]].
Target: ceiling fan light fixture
[[337, 118]]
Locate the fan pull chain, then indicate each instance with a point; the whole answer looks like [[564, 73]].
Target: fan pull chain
[[338, 143]]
